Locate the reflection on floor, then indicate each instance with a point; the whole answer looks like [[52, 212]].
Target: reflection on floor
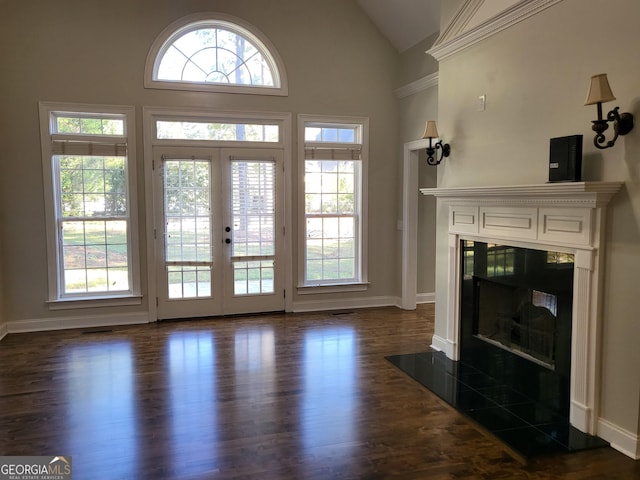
[[527, 426]]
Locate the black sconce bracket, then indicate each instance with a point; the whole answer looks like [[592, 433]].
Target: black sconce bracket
[[622, 124], [431, 150]]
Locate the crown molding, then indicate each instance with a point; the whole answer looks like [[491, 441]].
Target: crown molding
[[459, 23], [417, 86], [454, 40]]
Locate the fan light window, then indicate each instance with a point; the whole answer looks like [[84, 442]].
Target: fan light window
[[215, 54]]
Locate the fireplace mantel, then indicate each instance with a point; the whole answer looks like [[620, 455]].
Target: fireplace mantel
[[590, 194], [568, 217]]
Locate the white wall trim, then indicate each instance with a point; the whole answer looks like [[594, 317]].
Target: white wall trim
[[446, 46], [409, 274], [417, 86], [426, 298], [458, 24], [82, 321], [333, 304], [443, 345], [619, 438]]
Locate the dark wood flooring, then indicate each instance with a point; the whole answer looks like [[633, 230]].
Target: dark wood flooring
[[282, 396]]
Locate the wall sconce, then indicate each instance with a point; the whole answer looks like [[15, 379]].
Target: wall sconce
[[431, 132], [600, 92]]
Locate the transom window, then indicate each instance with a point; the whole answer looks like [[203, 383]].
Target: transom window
[[217, 131], [221, 54]]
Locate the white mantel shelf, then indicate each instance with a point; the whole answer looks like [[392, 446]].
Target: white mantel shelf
[[567, 216], [589, 194]]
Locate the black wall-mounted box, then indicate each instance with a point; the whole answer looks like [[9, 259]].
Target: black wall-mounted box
[[565, 159]]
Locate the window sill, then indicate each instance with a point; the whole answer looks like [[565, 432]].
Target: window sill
[[332, 288], [94, 302]]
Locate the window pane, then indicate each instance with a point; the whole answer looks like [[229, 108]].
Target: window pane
[[112, 125], [332, 209], [187, 207], [95, 252], [92, 185], [215, 55], [330, 248], [252, 278], [189, 282], [95, 257], [253, 207], [232, 132], [342, 134], [313, 203]]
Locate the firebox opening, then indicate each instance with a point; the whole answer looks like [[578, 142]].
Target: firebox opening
[[520, 320], [515, 318]]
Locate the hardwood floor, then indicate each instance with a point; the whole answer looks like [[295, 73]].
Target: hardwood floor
[[281, 396]]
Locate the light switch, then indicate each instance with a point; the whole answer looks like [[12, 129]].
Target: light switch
[[482, 103]]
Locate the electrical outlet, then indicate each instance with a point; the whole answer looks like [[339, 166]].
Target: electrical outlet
[[482, 103]]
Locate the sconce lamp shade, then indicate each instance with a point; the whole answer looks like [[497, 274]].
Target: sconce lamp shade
[[431, 131], [599, 90]]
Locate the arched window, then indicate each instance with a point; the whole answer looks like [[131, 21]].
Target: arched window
[[215, 52]]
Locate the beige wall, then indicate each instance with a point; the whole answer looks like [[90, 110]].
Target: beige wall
[[415, 110], [535, 77], [426, 230], [94, 52], [415, 64]]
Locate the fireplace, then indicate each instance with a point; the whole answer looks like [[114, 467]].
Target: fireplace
[[524, 270]]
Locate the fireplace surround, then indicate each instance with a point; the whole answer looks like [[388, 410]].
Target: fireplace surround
[[561, 217]]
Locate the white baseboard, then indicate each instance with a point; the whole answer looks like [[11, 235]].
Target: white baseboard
[[341, 304], [81, 321], [443, 345], [580, 416], [426, 298], [439, 343], [84, 321], [368, 302], [622, 440]]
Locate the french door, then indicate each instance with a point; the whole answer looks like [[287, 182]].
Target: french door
[[218, 231]]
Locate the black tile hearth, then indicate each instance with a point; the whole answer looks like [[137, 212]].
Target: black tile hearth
[[528, 426]]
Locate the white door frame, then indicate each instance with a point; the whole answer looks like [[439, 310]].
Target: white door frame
[[148, 123], [410, 197]]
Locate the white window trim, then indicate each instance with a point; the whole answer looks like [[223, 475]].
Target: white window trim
[[363, 283], [280, 88], [55, 300]]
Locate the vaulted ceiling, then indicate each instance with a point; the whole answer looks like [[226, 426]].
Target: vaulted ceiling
[[404, 22]]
